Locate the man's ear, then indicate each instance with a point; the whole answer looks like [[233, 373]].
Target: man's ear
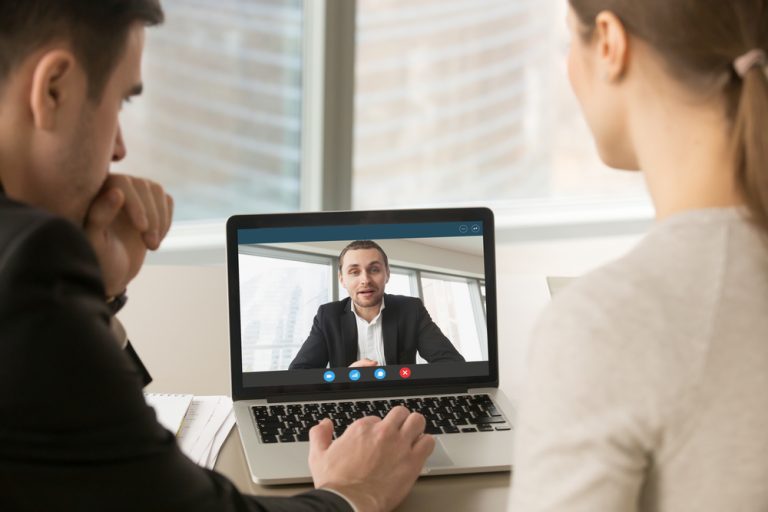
[[612, 46], [54, 82]]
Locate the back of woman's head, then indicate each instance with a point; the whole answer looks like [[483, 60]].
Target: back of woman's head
[[700, 41]]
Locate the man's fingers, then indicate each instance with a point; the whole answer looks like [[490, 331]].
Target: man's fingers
[[149, 208], [164, 209], [413, 426], [159, 194], [423, 447], [104, 209], [396, 417], [366, 420], [320, 437], [133, 202], [147, 198], [169, 213]]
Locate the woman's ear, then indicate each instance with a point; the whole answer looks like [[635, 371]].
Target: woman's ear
[[612, 42], [54, 82]]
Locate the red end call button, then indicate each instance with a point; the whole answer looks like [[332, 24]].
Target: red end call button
[[405, 372]]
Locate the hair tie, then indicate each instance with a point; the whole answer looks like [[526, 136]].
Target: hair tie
[[755, 57]]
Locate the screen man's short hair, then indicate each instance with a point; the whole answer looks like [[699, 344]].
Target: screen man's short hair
[[363, 244]]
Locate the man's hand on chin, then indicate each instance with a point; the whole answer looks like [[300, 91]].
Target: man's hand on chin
[[375, 462], [127, 217]]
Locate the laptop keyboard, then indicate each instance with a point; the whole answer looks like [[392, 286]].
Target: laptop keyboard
[[445, 414]]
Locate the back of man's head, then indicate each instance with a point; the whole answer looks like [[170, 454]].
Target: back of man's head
[[96, 30]]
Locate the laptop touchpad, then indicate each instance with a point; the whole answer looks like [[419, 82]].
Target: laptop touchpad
[[439, 457]]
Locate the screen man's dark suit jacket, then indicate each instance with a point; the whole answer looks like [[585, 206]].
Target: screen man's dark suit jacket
[[75, 433], [406, 328]]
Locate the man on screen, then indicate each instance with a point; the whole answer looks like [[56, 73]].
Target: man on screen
[[370, 327]]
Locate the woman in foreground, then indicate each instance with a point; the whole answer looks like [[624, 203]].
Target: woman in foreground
[[648, 378]]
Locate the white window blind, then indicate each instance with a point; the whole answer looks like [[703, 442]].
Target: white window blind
[[467, 101], [220, 122]]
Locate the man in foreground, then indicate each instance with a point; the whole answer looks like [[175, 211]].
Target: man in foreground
[[75, 432]]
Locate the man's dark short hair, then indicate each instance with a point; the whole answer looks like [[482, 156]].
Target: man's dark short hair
[[96, 29], [363, 244]]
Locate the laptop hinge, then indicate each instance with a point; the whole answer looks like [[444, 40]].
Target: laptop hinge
[[347, 394]]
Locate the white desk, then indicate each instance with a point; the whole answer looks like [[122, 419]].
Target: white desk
[[176, 318]]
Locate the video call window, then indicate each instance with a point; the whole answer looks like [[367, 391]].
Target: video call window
[[282, 288]]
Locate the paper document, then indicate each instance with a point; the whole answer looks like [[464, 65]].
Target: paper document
[[205, 428], [169, 408]]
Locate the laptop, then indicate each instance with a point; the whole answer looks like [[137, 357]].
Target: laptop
[[304, 346]]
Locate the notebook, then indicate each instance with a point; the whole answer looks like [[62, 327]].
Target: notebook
[[348, 314]]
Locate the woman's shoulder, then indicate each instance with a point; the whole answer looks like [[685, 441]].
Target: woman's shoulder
[[648, 307], [681, 261]]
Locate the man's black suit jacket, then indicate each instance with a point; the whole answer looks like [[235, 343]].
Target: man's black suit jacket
[[75, 432], [406, 328]]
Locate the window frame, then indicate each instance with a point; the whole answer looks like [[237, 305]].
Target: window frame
[[326, 175]]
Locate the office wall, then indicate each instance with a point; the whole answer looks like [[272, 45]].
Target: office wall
[[561, 257], [552, 257]]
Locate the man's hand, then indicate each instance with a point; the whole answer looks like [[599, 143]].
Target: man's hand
[[363, 362], [375, 462], [127, 217]]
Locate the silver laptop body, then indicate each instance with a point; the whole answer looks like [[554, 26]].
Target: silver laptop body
[[281, 266]]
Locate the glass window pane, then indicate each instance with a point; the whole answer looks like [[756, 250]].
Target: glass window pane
[[450, 305], [468, 100], [400, 284], [278, 301], [219, 123]]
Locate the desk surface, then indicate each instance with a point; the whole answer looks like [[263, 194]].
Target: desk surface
[[177, 320]]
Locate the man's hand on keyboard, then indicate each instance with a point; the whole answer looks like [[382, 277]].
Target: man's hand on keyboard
[[375, 463]]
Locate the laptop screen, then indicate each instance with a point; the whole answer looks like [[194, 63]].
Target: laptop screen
[[360, 300]]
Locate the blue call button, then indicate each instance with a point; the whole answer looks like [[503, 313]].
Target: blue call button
[[380, 373], [354, 375], [329, 376]]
